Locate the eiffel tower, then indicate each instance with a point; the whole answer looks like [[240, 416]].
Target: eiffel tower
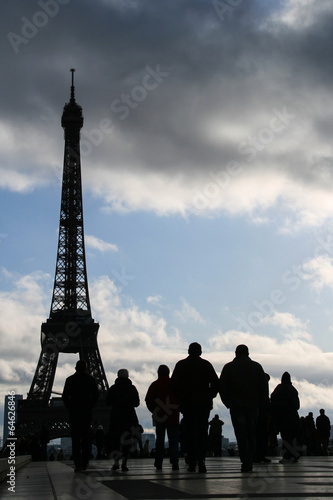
[[70, 327]]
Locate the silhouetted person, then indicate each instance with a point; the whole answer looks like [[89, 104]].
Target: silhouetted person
[[215, 436], [310, 434], [123, 398], [80, 395], [99, 441], [44, 440], [138, 434], [195, 384], [323, 426], [285, 405], [262, 432], [146, 453], [244, 389], [162, 403]]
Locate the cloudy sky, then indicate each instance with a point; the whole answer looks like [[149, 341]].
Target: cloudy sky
[[207, 175]]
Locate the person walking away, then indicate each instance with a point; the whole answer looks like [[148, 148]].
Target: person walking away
[[80, 395], [123, 398], [99, 438], [310, 435], [195, 384], [323, 426], [244, 389], [162, 403], [215, 436], [285, 405]]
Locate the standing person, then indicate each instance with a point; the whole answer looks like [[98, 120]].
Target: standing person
[[80, 395], [162, 403], [195, 384], [244, 389], [99, 438], [323, 426], [309, 428], [215, 435], [285, 405], [123, 398], [262, 432]]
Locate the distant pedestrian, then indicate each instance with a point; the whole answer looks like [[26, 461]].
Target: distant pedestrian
[[161, 402], [323, 426], [99, 438], [285, 405], [195, 384], [80, 395], [215, 435], [123, 398], [146, 452], [244, 389], [310, 434]]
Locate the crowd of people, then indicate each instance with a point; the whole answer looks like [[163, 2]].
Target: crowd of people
[[256, 416]]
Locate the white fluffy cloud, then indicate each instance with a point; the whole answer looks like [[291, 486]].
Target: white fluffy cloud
[[98, 244], [139, 340]]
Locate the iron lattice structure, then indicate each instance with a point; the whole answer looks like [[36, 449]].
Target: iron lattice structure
[[70, 327]]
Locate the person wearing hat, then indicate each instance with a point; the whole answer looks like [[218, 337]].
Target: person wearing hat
[[123, 398], [195, 384], [244, 389], [80, 395]]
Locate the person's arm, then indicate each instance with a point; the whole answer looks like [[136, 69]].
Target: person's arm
[[224, 387], [150, 398], [214, 382], [65, 394]]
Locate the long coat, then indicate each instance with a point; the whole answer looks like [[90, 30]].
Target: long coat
[[123, 398]]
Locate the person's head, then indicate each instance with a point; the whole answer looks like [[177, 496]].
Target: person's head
[[242, 350], [81, 366], [286, 379], [322, 411], [194, 349], [163, 371], [122, 373]]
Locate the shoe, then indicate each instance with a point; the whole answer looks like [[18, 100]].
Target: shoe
[[202, 468], [124, 468], [191, 468], [115, 467], [263, 460], [290, 460], [78, 469], [175, 466], [158, 465], [244, 468]]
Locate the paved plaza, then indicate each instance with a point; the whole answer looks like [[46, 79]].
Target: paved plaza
[[311, 477]]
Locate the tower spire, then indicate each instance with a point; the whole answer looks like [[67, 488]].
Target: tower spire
[[72, 87]]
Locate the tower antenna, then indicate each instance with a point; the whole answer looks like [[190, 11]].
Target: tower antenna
[[72, 87]]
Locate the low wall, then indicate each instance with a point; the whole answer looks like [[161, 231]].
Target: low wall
[[20, 462]]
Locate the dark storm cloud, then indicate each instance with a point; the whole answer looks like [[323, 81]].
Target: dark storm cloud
[[224, 70]]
